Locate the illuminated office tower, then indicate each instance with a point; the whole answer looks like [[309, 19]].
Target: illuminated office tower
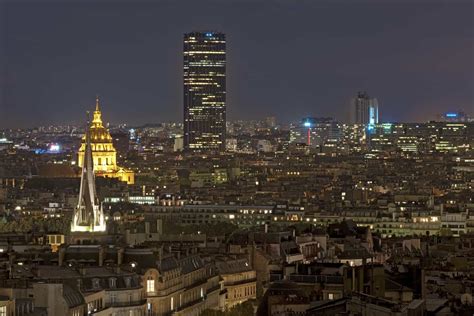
[[204, 91], [364, 110]]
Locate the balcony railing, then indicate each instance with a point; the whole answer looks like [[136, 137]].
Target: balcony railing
[[214, 288], [126, 304], [300, 278], [240, 282], [189, 304]]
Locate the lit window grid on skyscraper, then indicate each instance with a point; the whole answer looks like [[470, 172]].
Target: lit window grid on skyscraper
[[204, 91]]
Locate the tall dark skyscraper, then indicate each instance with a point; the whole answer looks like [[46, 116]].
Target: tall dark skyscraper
[[364, 110], [204, 91]]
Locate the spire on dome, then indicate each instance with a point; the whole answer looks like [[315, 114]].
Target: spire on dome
[[97, 119]]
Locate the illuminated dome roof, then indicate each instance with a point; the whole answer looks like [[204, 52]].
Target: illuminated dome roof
[[99, 134]]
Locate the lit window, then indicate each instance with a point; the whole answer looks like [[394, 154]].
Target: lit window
[[150, 285], [330, 296]]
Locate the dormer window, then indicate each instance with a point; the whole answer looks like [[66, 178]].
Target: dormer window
[[96, 283], [113, 283], [128, 282]]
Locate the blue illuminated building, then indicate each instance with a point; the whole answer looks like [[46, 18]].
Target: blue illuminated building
[[364, 110], [454, 116]]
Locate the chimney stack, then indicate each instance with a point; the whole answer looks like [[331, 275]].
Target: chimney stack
[[101, 256], [61, 255], [120, 252]]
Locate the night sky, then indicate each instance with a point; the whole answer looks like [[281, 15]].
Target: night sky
[[285, 58]]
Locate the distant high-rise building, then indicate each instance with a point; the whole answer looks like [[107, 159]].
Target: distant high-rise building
[[364, 110], [204, 91], [178, 143], [270, 121], [314, 131]]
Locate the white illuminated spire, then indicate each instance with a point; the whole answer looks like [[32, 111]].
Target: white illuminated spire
[[88, 215]]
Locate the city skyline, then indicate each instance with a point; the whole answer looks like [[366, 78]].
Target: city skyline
[[139, 80], [238, 157]]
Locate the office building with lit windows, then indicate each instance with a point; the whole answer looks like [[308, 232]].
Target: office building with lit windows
[[204, 95], [364, 110], [315, 131]]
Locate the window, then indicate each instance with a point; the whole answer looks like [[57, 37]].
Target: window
[[3, 311], [150, 285], [113, 298], [128, 282], [96, 283], [330, 296], [112, 283], [172, 303]]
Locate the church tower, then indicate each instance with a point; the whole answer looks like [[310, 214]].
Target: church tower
[[88, 214]]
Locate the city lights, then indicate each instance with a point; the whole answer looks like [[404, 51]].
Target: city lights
[[290, 162]]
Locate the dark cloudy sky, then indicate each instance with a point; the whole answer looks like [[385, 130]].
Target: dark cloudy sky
[[285, 58]]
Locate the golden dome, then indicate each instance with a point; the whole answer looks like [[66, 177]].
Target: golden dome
[[104, 155], [99, 134]]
